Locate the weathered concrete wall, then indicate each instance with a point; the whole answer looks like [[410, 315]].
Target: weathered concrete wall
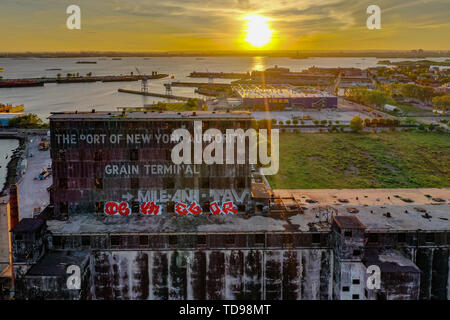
[[212, 274], [434, 263]]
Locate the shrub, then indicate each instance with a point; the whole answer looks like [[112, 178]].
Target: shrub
[[295, 121], [316, 122], [356, 124]]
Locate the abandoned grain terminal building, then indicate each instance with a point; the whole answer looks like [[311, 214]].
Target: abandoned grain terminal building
[[281, 244]]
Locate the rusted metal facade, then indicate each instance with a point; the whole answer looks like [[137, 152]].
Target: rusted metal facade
[[81, 184]]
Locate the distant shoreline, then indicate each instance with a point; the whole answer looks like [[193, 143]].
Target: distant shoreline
[[285, 54]]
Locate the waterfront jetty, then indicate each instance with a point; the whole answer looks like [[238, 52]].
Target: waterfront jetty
[[154, 94], [33, 82]]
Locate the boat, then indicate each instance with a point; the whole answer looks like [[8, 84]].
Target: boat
[[86, 62], [53, 69], [116, 58], [20, 83], [10, 109]]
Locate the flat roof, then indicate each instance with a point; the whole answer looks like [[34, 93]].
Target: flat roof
[[150, 115], [371, 211], [55, 263], [277, 91], [348, 222]]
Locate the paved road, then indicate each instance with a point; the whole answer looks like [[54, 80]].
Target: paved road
[[33, 193]]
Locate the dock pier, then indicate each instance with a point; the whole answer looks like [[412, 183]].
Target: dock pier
[[154, 94]]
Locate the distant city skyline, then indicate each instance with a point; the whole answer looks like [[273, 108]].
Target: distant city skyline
[[194, 25]]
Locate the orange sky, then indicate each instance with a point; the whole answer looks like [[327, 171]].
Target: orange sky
[[147, 25]]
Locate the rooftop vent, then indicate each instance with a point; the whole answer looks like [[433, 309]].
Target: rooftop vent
[[93, 110]]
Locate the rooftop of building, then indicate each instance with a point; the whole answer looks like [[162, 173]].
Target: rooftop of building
[[379, 210], [55, 263], [390, 261], [28, 225], [277, 91], [151, 115]]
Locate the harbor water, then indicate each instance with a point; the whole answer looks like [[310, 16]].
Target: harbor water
[[104, 96], [7, 147]]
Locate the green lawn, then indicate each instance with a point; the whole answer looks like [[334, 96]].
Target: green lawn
[[365, 160]]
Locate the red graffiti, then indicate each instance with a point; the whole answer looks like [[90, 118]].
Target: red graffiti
[[113, 208], [229, 207], [150, 208], [226, 208], [215, 208], [195, 209], [180, 208]]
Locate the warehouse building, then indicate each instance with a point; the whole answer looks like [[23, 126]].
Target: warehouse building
[[283, 97]]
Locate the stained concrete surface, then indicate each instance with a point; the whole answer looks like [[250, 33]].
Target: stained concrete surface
[[33, 192]]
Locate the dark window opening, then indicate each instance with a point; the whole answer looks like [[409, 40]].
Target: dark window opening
[[64, 208], [201, 240], [401, 237], [229, 240], [168, 154], [316, 238], [169, 183], [260, 239], [373, 238], [134, 155], [134, 183], [173, 240], [205, 206], [98, 155], [63, 183], [204, 183], [355, 296], [288, 239], [429, 237], [355, 281], [99, 206], [98, 182], [347, 234], [143, 240], [61, 155], [135, 207], [366, 293], [170, 207], [356, 253], [241, 183], [19, 236], [345, 289], [115, 240], [241, 207], [56, 241], [86, 241]]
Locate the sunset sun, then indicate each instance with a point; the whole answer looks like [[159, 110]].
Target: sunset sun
[[258, 30]]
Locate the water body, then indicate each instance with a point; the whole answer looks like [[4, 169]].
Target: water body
[[104, 96], [7, 147]]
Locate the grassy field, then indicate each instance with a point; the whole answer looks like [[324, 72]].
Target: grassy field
[[365, 160]]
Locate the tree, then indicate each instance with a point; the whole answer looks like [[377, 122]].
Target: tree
[[374, 122], [295, 121], [316, 122], [442, 103], [191, 104], [367, 122], [288, 121], [29, 121], [356, 124]]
